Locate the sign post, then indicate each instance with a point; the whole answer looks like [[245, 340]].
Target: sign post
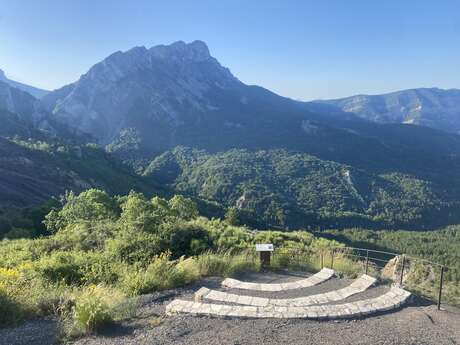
[[265, 250]]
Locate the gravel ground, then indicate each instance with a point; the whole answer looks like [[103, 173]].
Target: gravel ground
[[31, 332], [419, 323]]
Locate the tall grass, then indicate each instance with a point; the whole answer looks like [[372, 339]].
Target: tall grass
[[10, 310], [294, 261], [161, 274], [227, 264], [94, 306]]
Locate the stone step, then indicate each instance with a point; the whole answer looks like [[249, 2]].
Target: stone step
[[321, 276], [393, 299], [359, 285]]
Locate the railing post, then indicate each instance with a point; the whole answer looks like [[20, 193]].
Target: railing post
[[402, 269], [332, 259], [367, 260], [440, 287]]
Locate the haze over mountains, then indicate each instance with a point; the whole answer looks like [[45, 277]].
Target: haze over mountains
[[432, 107], [180, 119], [34, 91]]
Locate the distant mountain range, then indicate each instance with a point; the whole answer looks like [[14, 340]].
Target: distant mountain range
[[175, 95], [435, 108], [155, 99], [177, 117], [34, 91]]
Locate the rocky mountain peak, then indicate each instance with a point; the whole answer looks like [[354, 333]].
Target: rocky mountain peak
[[181, 51], [120, 64], [2, 75], [165, 86]]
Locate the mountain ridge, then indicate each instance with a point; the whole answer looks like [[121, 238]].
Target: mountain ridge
[[77, 105], [34, 91], [432, 107], [143, 103], [194, 101]]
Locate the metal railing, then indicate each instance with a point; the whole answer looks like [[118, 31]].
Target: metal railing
[[371, 262]]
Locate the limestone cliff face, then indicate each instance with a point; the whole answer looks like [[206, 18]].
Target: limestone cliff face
[[160, 88], [16, 101], [179, 95], [23, 115]]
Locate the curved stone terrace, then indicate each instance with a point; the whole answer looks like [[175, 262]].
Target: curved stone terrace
[[393, 299], [359, 285], [321, 276]]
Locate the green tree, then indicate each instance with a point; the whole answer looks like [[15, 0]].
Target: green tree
[[90, 205], [183, 208], [232, 216], [138, 213]]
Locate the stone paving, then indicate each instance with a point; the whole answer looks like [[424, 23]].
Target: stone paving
[[359, 285], [393, 299], [321, 276]]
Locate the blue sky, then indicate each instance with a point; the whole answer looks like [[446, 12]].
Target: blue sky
[[301, 49]]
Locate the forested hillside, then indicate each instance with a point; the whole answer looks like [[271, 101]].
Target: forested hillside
[[275, 161], [34, 174], [297, 190]]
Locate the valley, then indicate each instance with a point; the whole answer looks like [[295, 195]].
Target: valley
[[171, 113], [158, 169]]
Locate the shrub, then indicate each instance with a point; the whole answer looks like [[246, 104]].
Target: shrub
[[10, 311], [100, 268], [66, 267], [229, 238], [232, 216], [241, 263], [91, 311], [227, 264], [210, 264], [94, 307], [189, 269], [348, 268], [161, 274], [135, 247], [297, 239], [27, 294], [134, 282], [79, 268], [187, 238], [86, 236], [291, 260]]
